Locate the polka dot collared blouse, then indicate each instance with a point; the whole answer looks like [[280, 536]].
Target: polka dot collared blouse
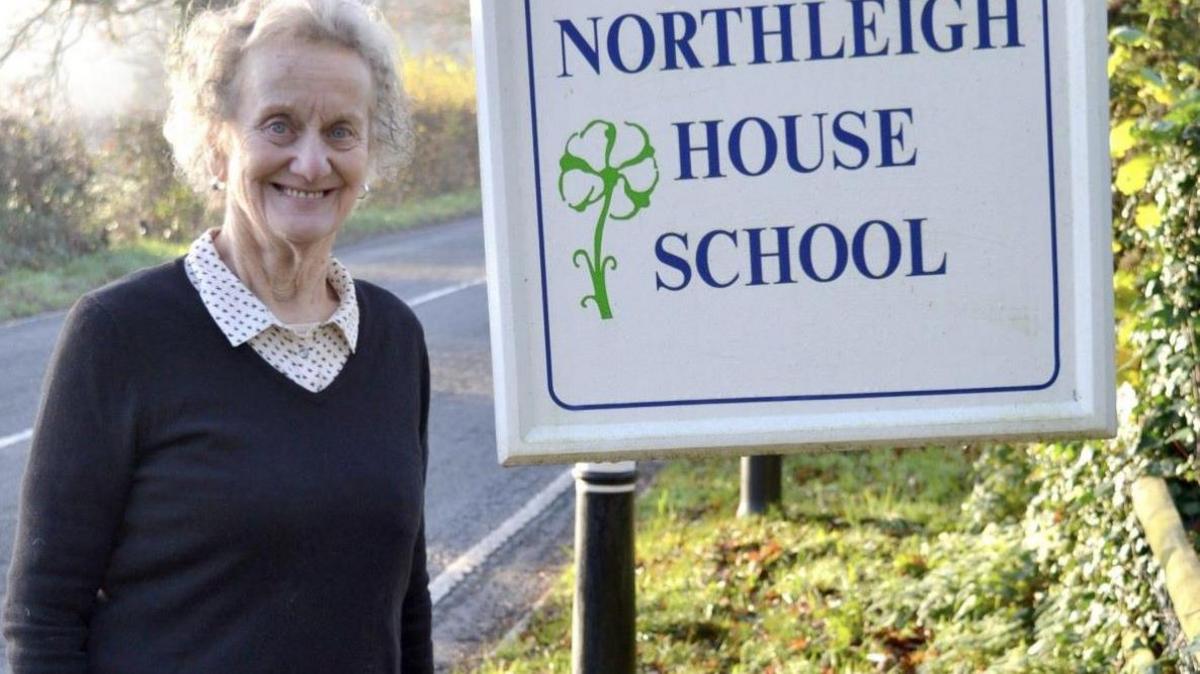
[[310, 354]]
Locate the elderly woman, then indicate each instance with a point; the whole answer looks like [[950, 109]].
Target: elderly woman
[[227, 473]]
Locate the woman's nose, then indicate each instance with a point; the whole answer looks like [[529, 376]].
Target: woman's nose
[[311, 161]]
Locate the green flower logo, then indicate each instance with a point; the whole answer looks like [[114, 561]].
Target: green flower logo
[[617, 170]]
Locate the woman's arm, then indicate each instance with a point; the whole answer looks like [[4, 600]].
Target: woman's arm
[[416, 637], [73, 494]]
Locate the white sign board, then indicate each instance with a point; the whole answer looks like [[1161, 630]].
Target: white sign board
[[724, 229]]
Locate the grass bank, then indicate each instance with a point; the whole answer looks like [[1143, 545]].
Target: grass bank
[[870, 566], [372, 220], [25, 292]]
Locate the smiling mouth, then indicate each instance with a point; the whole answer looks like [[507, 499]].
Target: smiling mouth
[[301, 194]]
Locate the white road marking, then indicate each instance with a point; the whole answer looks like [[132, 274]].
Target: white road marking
[[13, 439], [460, 568], [442, 292], [10, 440]]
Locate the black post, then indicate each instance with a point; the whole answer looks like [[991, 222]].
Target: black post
[[762, 484], [603, 626]]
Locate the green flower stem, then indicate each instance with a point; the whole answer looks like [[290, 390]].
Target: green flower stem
[[599, 287]]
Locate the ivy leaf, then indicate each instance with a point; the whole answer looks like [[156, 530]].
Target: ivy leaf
[[1134, 174], [1119, 57], [1156, 86], [1152, 76], [1186, 110], [1127, 35], [1121, 139]]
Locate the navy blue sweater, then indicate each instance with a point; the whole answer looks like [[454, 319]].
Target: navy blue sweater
[[189, 509]]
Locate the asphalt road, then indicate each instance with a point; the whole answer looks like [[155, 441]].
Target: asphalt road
[[468, 496]]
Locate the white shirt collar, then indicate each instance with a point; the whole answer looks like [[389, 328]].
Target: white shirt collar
[[240, 314]]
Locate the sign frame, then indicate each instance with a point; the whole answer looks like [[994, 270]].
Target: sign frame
[[610, 435]]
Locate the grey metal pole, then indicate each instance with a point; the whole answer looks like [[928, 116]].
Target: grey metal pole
[[762, 484], [603, 624]]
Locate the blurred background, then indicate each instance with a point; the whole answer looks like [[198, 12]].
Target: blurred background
[[87, 186]]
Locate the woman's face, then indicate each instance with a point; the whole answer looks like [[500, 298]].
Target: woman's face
[[296, 150]]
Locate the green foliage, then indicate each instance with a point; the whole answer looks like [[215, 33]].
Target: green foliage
[[1155, 82], [46, 197], [445, 153], [867, 568], [141, 195], [877, 563], [1155, 76], [1085, 562], [371, 219], [1002, 487], [24, 292]]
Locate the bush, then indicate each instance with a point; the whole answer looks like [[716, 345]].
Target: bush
[[1155, 76], [57, 201], [1155, 79], [46, 198], [141, 195], [445, 156]]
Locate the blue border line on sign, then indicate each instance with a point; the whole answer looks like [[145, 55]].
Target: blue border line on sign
[[792, 398]]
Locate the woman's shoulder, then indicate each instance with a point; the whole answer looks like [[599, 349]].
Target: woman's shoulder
[[111, 322], [144, 293]]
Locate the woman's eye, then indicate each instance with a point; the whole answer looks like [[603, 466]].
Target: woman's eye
[[341, 133], [277, 128]]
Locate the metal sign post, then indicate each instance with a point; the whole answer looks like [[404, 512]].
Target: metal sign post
[[603, 630], [762, 484]]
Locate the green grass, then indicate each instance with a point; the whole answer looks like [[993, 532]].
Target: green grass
[[372, 220], [866, 568], [25, 292]]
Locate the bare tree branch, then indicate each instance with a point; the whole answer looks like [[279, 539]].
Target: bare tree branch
[[27, 28], [113, 18], [65, 17], [137, 8]]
